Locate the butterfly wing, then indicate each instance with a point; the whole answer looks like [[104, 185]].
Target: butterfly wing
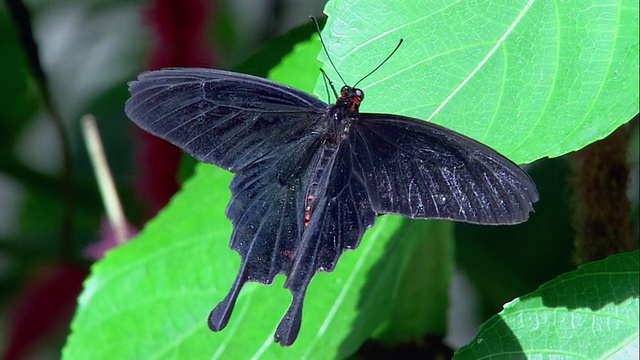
[[266, 209], [341, 215], [268, 134], [223, 118], [281, 242], [422, 170]]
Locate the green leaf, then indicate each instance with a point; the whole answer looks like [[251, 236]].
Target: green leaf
[[299, 71], [421, 307], [153, 289], [160, 287], [271, 55], [590, 313], [529, 78]]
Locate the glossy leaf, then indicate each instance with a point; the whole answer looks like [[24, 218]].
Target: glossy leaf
[[590, 313], [528, 78]]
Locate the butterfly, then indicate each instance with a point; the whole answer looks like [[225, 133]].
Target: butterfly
[[311, 177]]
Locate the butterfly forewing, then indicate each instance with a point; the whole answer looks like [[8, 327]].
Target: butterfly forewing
[[421, 170], [223, 118]]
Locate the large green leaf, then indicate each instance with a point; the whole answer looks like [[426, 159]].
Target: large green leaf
[[150, 298], [590, 313], [529, 78]]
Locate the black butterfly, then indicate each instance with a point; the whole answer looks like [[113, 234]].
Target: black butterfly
[[311, 178]]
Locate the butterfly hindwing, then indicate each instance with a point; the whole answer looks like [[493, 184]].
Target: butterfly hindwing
[[421, 170], [282, 242], [342, 213], [267, 212]]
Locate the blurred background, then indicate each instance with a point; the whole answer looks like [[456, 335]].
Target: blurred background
[[52, 222]]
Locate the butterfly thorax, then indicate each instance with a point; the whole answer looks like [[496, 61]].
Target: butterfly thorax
[[342, 113]]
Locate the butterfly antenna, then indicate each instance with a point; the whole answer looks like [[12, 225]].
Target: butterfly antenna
[[328, 83], [382, 63], [315, 21]]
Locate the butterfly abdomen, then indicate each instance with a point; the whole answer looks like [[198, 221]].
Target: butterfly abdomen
[[318, 179]]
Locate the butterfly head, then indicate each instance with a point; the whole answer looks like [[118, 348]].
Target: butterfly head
[[350, 98]]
